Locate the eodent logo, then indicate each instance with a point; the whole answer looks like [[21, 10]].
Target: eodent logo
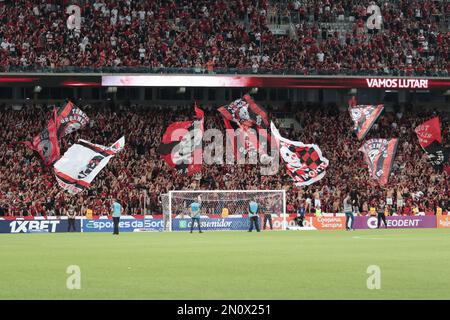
[[35, 225], [372, 223]]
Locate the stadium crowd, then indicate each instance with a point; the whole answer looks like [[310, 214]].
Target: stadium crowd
[[213, 36], [138, 176]]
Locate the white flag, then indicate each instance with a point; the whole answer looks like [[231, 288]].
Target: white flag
[[82, 162]]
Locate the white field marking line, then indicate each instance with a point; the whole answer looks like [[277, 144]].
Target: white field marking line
[[391, 236], [357, 237]]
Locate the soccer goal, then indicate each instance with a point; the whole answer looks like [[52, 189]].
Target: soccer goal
[[222, 209]]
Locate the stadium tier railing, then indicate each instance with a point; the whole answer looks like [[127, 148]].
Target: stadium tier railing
[[231, 71]]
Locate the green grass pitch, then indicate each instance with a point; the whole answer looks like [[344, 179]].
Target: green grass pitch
[[414, 264]]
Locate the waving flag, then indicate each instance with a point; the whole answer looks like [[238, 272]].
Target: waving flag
[[69, 119], [246, 119], [430, 139], [245, 112], [63, 122], [379, 155], [364, 116], [243, 140], [46, 143], [181, 145], [82, 162], [304, 162]]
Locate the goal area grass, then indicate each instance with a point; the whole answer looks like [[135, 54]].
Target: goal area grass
[[413, 264]]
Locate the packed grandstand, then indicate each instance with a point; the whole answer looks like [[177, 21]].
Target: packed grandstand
[[138, 176], [236, 36]]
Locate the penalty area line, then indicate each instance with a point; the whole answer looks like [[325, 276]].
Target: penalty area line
[[370, 238]]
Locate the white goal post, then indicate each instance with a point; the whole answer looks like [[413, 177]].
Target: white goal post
[[221, 204]]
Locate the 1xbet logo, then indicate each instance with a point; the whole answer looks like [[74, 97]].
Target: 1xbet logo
[[30, 226]]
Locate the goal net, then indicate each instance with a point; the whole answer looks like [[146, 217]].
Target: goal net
[[222, 209]]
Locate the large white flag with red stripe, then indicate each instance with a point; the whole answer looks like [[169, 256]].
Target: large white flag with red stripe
[[82, 162]]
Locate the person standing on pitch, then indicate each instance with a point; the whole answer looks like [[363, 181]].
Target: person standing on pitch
[[381, 215], [253, 215], [348, 210], [268, 217], [354, 200], [300, 215], [116, 210], [195, 215], [71, 213]]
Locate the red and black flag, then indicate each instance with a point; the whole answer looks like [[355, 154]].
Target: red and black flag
[[70, 118], [430, 139], [246, 113], [181, 145], [304, 162], [243, 140], [46, 143], [379, 155], [236, 137], [247, 120], [364, 116]]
